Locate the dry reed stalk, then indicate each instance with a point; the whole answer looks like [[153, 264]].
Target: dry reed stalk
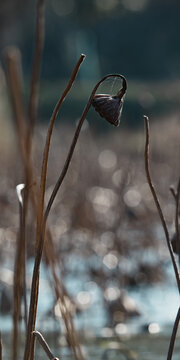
[[25, 136], [173, 192], [0, 346], [177, 225], [26, 160], [173, 336], [59, 289], [34, 88], [14, 72], [35, 281], [164, 225], [44, 345], [72, 147], [157, 203], [176, 195], [47, 146], [61, 293], [33, 104], [20, 124], [25, 133], [18, 274], [62, 297], [14, 77], [52, 261], [13, 63]]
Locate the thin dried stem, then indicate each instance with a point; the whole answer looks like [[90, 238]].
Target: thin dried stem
[[47, 145], [46, 153], [18, 273], [177, 219], [39, 42], [33, 97], [35, 279], [13, 56], [173, 336], [35, 284], [61, 293], [34, 89], [173, 192], [13, 60], [14, 76], [44, 345], [73, 144], [156, 200], [0, 346], [14, 72]]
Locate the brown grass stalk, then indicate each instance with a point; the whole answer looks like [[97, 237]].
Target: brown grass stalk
[[34, 87], [14, 72], [47, 146], [61, 293], [19, 270], [173, 192], [20, 125], [157, 203], [33, 305], [33, 97], [44, 345], [173, 336], [71, 150], [14, 77], [163, 222], [0, 346], [176, 196], [35, 280], [21, 130], [177, 219]]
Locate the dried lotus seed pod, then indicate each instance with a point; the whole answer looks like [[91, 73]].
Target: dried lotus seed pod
[[110, 106]]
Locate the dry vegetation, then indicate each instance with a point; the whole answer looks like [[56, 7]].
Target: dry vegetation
[[104, 212]]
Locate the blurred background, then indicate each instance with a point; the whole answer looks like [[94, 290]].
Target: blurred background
[[138, 38], [110, 246]]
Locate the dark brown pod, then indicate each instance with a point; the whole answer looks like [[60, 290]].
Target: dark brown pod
[[110, 106]]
